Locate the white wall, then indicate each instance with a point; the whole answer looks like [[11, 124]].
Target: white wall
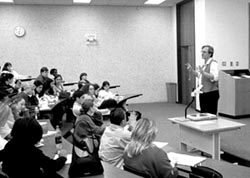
[[135, 46], [224, 25]]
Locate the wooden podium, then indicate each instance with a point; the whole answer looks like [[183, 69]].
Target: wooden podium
[[234, 88]]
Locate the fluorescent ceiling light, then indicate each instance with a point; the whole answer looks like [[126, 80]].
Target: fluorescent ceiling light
[[154, 1], [82, 1], [7, 1]]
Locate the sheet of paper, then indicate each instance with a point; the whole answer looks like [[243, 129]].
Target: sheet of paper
[[2, 143], [204, 122], [184, 159], [49, 133], [160, 144], [69, 158], [236, 77]]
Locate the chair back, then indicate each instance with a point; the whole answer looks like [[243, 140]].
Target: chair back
[[204, 172], [136, 172]]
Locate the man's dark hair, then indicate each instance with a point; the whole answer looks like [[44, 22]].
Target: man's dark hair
[[83, 74], [117, 116], [52, 71], [44, 69]]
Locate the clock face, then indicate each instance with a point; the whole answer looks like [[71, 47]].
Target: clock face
[[19, 31]]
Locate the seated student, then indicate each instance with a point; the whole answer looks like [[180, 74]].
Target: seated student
[[85, 159], [53, 72], [90, 90], [57, 85], [5, 116], [6, 79], [28, 94], [8, 68], [143, 156], [132, 118], [83, 130], [114, 139], [97, 88], [43, 77], [104, 93], [18, 86], [21, 158], [83, 80], [38, 88], [15, 110], [19, 110], [79, 97]]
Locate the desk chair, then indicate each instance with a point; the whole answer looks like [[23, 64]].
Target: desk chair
[[114, 86]]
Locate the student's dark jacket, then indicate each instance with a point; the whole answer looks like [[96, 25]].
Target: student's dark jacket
[[20, 160]]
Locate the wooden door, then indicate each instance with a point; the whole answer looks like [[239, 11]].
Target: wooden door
[[186, 49]]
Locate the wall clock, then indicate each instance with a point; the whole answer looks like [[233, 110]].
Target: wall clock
[[19, 31]]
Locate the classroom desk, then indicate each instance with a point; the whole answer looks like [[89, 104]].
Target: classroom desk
[[228, 170], [204, 135], [54, 112], [109, 171]]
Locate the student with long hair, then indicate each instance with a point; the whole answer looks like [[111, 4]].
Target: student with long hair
[[57, 85], [83, 80], [18, 107], [6, 79], [143, 156], [105, 93], [21, 158], [38, 88], [8, 68]]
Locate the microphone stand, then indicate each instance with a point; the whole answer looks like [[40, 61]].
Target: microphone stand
[[193, 94], [189, 104]]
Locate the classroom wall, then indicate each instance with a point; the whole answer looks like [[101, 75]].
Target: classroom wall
[[224, 25], [136, 46]]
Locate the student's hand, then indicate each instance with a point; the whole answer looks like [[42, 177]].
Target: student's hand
[[173, 163], [10, 90], [63, 153]]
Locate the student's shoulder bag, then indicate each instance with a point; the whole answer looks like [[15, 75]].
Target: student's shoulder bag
[[85, 158]]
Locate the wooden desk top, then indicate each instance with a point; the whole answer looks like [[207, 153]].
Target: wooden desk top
[[47, 108], [208, 126]]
